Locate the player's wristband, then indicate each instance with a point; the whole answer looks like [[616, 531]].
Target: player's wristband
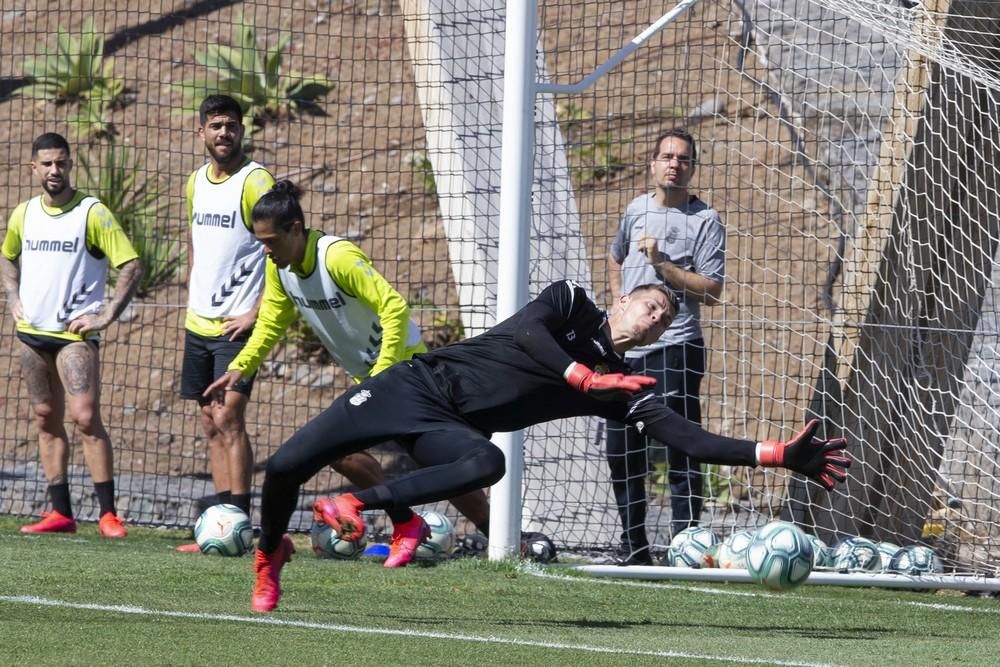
[[576, 374], [770, 454]]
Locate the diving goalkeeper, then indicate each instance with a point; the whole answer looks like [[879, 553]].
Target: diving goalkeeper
[[559, 356]]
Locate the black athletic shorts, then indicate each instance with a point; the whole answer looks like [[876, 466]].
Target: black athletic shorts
[[206, 360], [50, 344]]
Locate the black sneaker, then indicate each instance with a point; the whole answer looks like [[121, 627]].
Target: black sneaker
[[624, 555]]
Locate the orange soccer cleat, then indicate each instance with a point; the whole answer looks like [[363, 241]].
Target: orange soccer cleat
[[343, 514], [189, 548], [111, 526], [267, 589], [52, 522], [406, 537]]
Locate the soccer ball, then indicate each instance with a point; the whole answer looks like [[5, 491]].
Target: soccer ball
[[886, 550], [780, 556], [224, 530], [733, 550], [537, 547], [856, 554], [691, 547], [822, 555], [442, 540], [916, 559], [327, 544]]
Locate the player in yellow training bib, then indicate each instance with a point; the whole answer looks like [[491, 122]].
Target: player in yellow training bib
[[54, 267], [224, 290], [358, 316]]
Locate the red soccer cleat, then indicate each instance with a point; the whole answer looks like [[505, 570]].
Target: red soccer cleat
[[267, 589], [189, 548], [52, 522], [406, 537], [111, 526], [343, 514]]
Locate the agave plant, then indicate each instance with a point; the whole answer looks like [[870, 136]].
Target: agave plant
[[76, 71], [255, 79], [137, 205]]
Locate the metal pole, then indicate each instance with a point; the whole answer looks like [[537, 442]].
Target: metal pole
[[516, 169]]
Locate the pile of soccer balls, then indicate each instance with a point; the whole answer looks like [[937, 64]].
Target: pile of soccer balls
[[781, 556]]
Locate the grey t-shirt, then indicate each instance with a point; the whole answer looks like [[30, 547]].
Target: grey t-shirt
[[692, 237]]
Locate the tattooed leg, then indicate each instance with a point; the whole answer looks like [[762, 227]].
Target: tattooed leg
[[79, 369], [38, 370]]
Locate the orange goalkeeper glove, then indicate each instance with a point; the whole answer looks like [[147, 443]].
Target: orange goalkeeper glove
[[823, 461], [610, 387]]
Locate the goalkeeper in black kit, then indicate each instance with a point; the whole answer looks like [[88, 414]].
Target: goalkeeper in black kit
[[559, 356]]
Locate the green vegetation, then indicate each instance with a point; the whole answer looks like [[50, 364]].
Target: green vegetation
[[421, 165], [594, 161], [137, 602], [76, 71], [255, 78], [138, 205]]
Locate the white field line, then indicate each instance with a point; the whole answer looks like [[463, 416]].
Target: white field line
[[331, 627]]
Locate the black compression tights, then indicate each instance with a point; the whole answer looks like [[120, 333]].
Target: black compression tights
[[458, 462]]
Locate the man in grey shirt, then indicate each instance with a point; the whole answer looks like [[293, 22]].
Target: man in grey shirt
[[668, 236]]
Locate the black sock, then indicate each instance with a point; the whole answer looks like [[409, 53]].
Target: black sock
[[484, 527], [59, 493], [224, 498], [106, 496], [399, 515], [241, 500]]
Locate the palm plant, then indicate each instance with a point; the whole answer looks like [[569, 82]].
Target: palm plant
[[137, 204], [255, 79], [76, 71]]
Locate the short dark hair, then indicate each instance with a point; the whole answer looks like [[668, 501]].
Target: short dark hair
[[47, 141], [218, 105], [680, 133], [663, 289], [281, 206]]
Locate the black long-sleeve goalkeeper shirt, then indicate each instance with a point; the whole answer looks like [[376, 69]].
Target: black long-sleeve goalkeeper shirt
[[511, 377]]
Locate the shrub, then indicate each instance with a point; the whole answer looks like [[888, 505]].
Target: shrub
[[255, 79], [77, 72]]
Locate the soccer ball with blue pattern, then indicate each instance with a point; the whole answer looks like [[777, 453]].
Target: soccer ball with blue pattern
[[442, 540], [886, 551], [822, 554], [326, 543], [733, 550], [856, 554], [224, 530], [916, 559], [694, 547], [780, 556]]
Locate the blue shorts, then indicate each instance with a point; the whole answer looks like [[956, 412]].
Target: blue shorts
[[206, 360]]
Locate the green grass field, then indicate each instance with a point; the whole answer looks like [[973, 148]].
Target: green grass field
[[79, 599]]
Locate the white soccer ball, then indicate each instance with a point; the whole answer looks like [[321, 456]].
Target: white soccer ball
[[326, 543], [733, 550], [822, 554], [442, 540], [856, 554], [886, 551], [224, 530], [780, 556], [916, 559], [694, 547]]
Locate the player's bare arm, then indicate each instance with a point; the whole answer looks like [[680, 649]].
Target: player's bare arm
[[129, 276], [695, 286], [237, 325], [10, 275]]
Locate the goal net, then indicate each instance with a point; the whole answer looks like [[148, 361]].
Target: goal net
[[850, 147]]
